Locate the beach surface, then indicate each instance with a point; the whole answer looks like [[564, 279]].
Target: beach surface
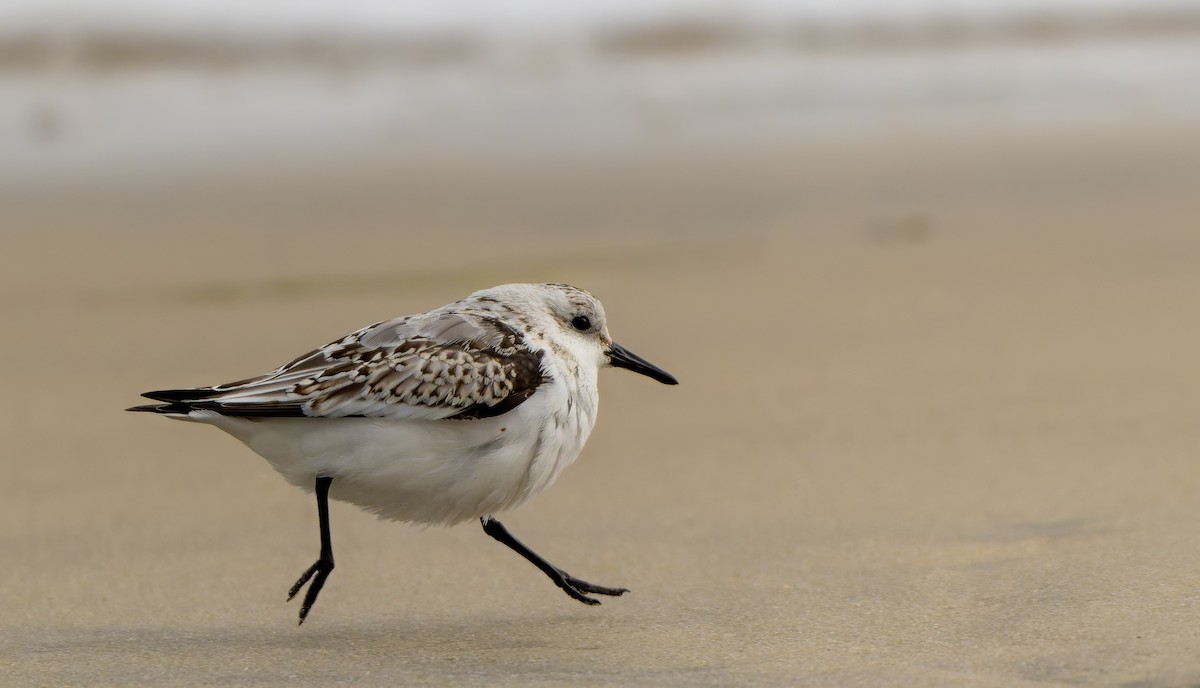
[[937, 421]]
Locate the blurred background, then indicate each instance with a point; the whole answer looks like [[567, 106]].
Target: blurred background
[[926, 269], [151, 101]]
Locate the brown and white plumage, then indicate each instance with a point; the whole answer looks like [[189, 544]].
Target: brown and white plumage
[[442, 364], [432, 418]]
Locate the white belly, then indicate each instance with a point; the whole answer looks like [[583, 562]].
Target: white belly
[[427, 471]]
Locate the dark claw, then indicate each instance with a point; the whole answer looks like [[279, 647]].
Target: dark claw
[[321, 569], [303, 579], [584, 586], [576, 594]]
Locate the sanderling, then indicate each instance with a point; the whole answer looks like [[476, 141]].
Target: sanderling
[[433, 418]]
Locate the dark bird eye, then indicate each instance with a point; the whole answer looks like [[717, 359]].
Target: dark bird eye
[[581, 323]]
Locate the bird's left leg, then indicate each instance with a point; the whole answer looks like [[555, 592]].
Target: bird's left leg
[[324, 564], [570, 585]]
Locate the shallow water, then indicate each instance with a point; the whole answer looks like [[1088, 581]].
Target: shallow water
[[70, 121]]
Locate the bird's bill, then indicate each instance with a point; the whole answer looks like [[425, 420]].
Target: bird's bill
[[620, 357]]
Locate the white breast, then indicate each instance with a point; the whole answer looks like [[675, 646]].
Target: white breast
[[430, 471], [566, 418]]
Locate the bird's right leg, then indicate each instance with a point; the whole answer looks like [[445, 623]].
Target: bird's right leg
[[574, 587], [324, 564]]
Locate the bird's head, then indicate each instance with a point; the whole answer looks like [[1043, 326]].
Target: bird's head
[[559, 314]]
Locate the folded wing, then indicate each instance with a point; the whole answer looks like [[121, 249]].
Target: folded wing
[[434, 366]]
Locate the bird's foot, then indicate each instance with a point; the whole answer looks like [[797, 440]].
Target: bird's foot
[[577, 588], [318, 572]]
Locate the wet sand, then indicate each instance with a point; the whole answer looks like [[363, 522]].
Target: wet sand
[[937, 421]]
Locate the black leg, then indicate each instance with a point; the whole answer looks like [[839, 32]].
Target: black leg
[[324, 564], [570, 585]]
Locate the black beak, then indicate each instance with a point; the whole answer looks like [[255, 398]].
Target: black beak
[[620, 357]]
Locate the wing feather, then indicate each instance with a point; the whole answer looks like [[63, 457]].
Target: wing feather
[[441, 365]]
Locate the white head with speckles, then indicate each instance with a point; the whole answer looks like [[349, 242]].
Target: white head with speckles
[[566, 321]]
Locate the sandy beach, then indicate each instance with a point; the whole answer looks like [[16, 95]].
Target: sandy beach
[[937, 421]]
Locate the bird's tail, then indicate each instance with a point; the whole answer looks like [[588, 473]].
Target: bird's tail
[[177, 401]]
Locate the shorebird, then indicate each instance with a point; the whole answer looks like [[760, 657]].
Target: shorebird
[[435, 418]]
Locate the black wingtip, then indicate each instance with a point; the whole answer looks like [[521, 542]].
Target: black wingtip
[[160, 408], [176, 400], [177, 395], [184, 401]]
